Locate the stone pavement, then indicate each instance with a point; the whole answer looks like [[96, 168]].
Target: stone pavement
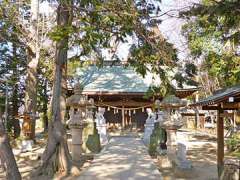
[[124, 158]]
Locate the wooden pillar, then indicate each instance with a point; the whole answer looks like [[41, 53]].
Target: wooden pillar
[[123, 123], [220, 142]]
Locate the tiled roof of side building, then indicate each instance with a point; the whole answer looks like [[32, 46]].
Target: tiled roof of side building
[[219, 96]]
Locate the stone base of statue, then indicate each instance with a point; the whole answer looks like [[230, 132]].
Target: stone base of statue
[[183, 165], [148, 132], [184, 169], [181, 161], [102, 131], [91, 139]]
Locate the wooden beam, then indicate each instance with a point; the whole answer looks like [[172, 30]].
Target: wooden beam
[[192, 114], [226, 114], [220, 142], [233, 105], [224, 106], [207, 107]]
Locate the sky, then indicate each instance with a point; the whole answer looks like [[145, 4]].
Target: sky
[[170, 27]]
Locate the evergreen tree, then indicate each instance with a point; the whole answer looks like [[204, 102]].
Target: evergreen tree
[[212, 30]]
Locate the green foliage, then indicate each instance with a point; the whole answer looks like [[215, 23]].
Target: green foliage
[[12, 65], [58, 33], [91, 138], [93, 143], [233, 143], [160, 91], [152, 149], [157, 137], [212, 30]]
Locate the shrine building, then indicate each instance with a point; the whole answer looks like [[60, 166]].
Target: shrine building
[[121, 91]]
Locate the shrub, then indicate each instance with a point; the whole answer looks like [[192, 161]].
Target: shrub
[[233, 143]]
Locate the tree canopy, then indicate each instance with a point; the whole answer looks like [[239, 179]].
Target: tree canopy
[[213, 35]]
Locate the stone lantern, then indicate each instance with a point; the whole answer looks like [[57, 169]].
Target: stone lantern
[[91, 139], [171, 123], [77, 121]]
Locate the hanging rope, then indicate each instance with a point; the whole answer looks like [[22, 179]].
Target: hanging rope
[[125, 109]]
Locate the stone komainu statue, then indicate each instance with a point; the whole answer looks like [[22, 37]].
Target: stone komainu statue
[[231, 171]]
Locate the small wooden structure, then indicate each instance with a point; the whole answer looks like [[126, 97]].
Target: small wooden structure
[[26, 126], [221, 100], [189, 116]]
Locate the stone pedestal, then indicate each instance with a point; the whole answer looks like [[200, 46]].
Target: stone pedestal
[[77, 141], [149, 126], [171, 126], [171, 138], [101, 126], [171, 146]]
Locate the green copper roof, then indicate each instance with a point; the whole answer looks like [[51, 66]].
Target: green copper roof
[[114, 79]]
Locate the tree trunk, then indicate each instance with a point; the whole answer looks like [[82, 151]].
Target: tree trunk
[[45, 107], [15, 103], [7, 157], [31, 94], [31, 80], [16, 124], [56, 156]]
